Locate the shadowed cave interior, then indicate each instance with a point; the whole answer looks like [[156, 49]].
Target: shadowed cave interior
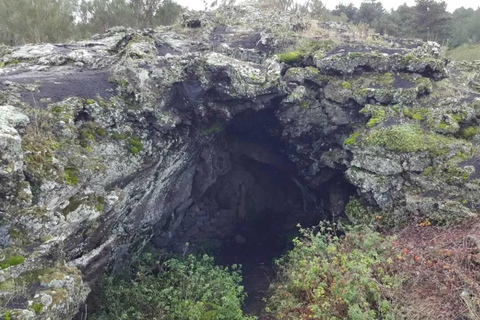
[[248, 200]]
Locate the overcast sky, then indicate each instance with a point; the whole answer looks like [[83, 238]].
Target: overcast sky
[[388, 4]]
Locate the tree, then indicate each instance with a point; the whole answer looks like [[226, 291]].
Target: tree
[[100, 15], [431, 20], [27, 21], [349, 11], [403, 19], [465, 27], [317, 8], [370, 12]]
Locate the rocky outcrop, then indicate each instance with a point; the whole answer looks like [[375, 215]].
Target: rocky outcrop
[[109, 142]]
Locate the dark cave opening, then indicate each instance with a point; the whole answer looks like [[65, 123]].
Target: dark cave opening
[[248, 201]]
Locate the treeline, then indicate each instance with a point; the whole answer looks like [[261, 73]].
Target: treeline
[[427, 19], [35, 21]]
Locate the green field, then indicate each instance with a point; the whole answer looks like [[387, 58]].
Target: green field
[[465, 52]]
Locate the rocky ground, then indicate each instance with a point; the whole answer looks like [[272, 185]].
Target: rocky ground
[[111, 141]]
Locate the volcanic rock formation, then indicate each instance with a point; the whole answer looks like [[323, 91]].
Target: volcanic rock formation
[[178, 134]]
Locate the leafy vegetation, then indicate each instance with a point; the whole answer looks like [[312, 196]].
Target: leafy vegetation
[[191, 288], [327, 276]]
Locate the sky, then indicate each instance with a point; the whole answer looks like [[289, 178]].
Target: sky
[[388, 4]]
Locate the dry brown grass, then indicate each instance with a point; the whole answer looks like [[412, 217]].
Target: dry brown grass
[[441, 271]]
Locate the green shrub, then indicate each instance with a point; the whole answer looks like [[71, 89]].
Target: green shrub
[[135, 145], [191, 288], [468, 132], [330, 277], [37, 307]]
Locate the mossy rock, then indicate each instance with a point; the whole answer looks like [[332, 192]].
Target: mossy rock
[[409, 138], [352, 139], [290, 57], [11, 261]]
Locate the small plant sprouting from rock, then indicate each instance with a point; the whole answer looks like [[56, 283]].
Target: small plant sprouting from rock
[[73, 204], [135, 145], [37, 307], [100, 202], [377, 116], [468, 132], [71, 176], [215, 128], [352, 139], [346, 85]]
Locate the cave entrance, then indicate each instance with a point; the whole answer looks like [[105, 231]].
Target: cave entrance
[[248, 200]]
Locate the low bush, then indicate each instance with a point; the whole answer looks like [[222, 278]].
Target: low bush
[[327, 276], [191, 288]]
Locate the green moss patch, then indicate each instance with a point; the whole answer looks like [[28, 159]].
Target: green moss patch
[[385, 79], [346, 85], [8, 285], [119, 136], [352, 139], [90, 133], [290, 57], [409, 138], [378, 116], [12, 261], [417, 114]]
